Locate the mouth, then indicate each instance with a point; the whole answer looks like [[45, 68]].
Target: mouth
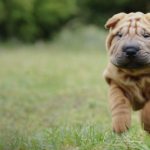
[[131, 63], [134, 66]]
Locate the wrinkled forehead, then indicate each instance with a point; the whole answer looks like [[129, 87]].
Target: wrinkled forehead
[[133, 23]]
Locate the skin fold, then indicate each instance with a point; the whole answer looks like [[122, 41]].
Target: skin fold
[[128, 69]]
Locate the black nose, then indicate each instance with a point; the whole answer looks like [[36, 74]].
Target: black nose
[[130, 51]]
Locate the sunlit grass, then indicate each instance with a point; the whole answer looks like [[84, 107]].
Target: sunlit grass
[[53, 97]]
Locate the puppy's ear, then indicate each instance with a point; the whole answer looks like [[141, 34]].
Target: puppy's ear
[[113, 20]]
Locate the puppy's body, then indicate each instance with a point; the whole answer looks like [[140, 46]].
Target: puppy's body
[[136, 87], [128, 72]]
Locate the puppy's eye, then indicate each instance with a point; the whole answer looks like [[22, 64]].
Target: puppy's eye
[[146, 35], [119, 34]]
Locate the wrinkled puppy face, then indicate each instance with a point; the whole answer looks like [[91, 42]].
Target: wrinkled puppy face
[[128, 42]]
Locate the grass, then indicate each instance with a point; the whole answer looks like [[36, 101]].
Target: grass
[[53, 96]]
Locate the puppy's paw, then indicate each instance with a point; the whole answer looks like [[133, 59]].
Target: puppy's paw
[[121, 123]]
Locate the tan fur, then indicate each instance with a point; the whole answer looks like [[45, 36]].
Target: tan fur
[[128, 88]]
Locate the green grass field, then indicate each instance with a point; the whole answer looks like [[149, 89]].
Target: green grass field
[[53, 97]]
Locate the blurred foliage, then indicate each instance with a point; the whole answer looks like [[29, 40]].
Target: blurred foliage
[[30, 20], [98, 11], [52, 14]]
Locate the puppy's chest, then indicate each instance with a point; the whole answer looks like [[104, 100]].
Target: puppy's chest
[[137, 90]]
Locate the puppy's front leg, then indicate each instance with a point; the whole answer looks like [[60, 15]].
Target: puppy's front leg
[[120, 109], [145, 117]]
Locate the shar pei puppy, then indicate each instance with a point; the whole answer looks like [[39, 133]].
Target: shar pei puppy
[[128, 69]]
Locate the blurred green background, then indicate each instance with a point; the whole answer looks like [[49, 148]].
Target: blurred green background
[[32, 20], [52, 92]]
